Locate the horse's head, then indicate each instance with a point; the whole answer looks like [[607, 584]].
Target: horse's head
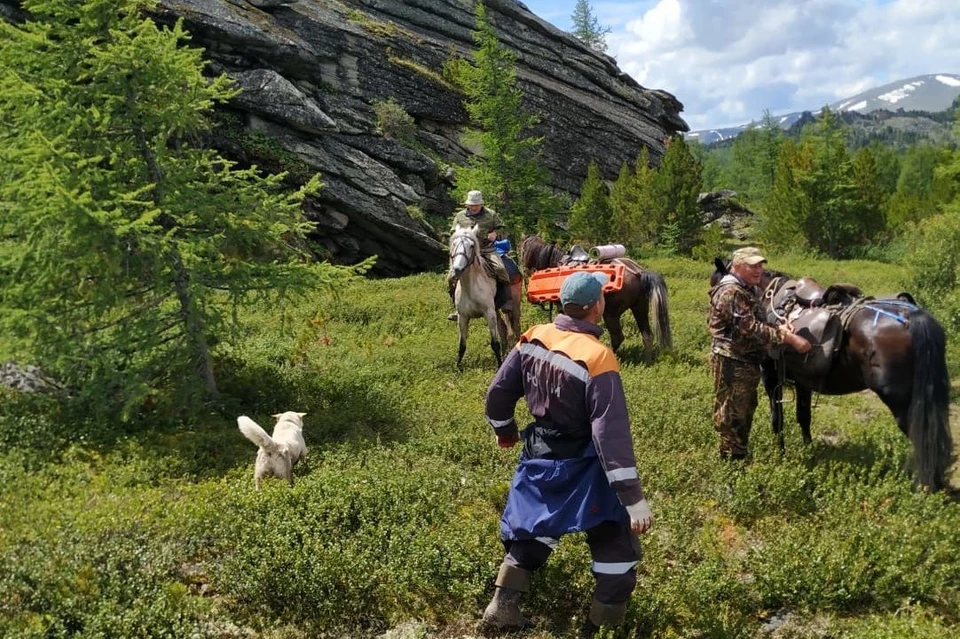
[[463, 248], [721, 269]]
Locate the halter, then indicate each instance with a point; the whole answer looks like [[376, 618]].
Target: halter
[[463, 243]]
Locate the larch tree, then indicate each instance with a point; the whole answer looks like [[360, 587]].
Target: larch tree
[[590, 215], [587, 28], [122, 239], [507, 169]]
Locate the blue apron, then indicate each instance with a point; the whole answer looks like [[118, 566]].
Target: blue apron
[[553, 497]]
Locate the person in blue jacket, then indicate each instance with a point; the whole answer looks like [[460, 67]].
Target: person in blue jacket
[[577, 470]]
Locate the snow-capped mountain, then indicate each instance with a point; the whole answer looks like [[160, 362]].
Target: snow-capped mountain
[[932, 93]]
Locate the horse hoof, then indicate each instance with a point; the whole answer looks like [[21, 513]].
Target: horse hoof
[[453, 317]]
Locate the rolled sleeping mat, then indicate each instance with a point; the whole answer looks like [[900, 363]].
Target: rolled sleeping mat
[[608, 251]]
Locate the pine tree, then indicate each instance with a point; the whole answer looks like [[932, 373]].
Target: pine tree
[[586, 27], [508, 169], [590, 215], [122, 238]]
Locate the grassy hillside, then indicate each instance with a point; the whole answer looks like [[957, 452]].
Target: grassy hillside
[[393, 521]]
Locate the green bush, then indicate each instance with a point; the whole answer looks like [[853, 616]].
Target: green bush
[[156, 530]]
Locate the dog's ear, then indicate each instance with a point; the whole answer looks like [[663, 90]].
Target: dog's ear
[[302, 415]]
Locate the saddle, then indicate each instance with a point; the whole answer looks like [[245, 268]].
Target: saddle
[[816, 314]]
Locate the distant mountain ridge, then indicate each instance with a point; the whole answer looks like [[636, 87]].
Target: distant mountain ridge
[[929, 93]]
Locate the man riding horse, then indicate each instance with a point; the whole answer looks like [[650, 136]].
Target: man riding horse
[[489, 228]]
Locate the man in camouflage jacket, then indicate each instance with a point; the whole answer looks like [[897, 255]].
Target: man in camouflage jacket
[[489, 226], [740, 340]]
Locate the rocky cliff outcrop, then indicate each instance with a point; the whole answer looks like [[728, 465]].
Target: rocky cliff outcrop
[[312, 70]]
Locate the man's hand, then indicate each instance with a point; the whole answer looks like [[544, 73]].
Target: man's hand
[[798, 343], [507, 440], [640, 517]]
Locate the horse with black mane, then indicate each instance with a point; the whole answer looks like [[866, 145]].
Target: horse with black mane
[[641, 288], [890, 346]]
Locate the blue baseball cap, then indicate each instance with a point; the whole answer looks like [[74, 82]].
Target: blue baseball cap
[[582, 288]]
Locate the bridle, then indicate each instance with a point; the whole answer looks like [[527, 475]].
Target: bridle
[[463, 243]]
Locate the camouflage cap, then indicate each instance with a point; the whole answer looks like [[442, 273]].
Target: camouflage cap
[[747, 255]]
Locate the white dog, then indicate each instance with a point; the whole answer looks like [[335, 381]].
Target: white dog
[[277, 454]]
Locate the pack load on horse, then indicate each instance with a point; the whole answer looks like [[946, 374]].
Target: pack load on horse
[[475, 294], [630, 286], [888, 345]]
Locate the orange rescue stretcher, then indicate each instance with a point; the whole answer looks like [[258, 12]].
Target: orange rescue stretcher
[[544, 285]]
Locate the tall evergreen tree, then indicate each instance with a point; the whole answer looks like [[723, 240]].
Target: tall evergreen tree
[[508, 168], [784, 211], [831, 224], [677, 186], [586, 27], [635, 212], [121, 237], [870, 196], [754, 160], [590, 215]]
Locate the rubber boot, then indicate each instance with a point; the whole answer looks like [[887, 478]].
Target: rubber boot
[[503, 614], [453, 317], [602, 614]]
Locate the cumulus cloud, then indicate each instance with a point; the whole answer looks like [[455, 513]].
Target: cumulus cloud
[[729, 60]]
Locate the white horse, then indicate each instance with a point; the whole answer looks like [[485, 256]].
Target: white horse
[[475, 293]]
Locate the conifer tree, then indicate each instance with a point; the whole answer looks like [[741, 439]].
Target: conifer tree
[[784, 211], [586, 27], [590, 215], [507, 169], [121, 237], [677, 186], [634, 209], [870, 196]]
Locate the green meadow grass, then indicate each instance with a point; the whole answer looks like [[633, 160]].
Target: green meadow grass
[[392, 527]]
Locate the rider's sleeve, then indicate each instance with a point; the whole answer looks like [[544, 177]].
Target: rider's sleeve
[[610, 424], [504, 393]]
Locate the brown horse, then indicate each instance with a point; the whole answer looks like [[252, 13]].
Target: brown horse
[[890, 346], [640, 289]]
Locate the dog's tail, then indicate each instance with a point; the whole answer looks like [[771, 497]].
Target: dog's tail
[[252, 431]]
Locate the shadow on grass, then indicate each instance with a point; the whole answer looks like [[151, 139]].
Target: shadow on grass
[[202, 440]]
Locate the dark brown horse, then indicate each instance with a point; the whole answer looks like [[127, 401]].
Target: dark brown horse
[[640, 289], [890, 346]]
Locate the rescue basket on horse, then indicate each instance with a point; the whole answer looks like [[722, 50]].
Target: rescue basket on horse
[[476, 294], [888, 345], [632, 287]]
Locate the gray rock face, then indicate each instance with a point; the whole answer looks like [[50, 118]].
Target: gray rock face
[[312, 70], [26, 379]]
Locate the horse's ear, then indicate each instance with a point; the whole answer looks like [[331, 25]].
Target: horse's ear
[[720, 266]]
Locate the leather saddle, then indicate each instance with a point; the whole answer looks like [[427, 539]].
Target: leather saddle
[[815, 313], [577, 255]]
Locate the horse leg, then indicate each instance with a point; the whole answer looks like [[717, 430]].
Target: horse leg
[[804, 403], [774, 389], [641, 312], [464, 323], [494, 323], [513, 334], [612, 322]]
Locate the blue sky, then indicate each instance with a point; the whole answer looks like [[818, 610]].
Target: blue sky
[[728, 60]]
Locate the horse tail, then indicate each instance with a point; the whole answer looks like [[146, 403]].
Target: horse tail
[[654, 286], [928, 416]]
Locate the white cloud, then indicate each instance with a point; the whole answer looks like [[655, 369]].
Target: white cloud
[[729, 60]]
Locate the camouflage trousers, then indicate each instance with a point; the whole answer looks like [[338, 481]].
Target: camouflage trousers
[[735, 385]]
